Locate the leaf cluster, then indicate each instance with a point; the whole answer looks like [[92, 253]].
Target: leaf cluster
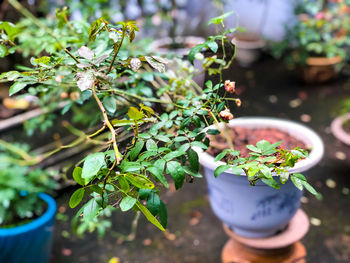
[[266, 162]]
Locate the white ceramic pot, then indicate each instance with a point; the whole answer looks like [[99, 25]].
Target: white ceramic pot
[[258, 211], [161, 46], [248, 51], [338, 130]]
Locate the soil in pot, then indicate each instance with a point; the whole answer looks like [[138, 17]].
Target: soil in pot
[[243, 136]]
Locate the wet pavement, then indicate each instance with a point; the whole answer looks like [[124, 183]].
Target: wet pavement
[[194, 233]]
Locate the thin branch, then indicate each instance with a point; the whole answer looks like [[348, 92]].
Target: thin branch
[[109, 125]]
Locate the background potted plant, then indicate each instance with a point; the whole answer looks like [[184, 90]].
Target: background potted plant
[[27, 213], [317, 41], [340, 125]]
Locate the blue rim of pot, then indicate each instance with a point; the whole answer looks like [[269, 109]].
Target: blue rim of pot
[[36, 223], [313, 140]]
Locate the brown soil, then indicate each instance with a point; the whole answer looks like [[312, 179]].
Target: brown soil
[[243, 136]]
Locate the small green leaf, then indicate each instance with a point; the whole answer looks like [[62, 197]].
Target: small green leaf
[[90, 210], [253, 148], [149, 216], [284, 176], [180, 139], [76, 197], [16, 87], [271, 182], [172, 155], [193, 159], [266, 171], [163, 138], [95, 188], [92, 164], [253, 170], [220, 156], [158, 173], [310, 188], [297, 182], [213, 131], [134, 152], [3, 51], [139, 181], [163, 214], [123, 184], [144, 193], [153, 203], [177, 173], [110, 104], [77, 175], [151, 145], [147, 76], [135, 114], [194, 51], [219, 19], [220, 169], [213, 46], [127, 203], [199, 144]]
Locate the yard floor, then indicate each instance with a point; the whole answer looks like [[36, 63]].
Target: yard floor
[[194, 233]]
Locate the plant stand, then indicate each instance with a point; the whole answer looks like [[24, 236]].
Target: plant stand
[[284, 247]]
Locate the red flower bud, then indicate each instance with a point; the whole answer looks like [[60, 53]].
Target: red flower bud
[[230, 86], [226, 115]]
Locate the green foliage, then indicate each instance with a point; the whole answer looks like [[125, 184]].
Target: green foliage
[[20, 186], [266, 162]]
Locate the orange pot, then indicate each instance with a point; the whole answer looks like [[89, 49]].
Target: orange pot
[[320, 69]]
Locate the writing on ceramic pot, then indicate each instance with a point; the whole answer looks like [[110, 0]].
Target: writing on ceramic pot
[[219, 200], [277, 203]]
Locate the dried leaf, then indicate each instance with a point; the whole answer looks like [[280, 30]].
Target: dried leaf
[[85, 80], [83, 65], [135, 64], [155, 64], [86, 52], [100, 59], [161, 60]]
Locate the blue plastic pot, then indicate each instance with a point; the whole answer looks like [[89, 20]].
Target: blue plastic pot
[[31, 242], [258, 211]]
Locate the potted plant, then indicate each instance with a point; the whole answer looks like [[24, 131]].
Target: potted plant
[[249, 48], [27, 213], [316, 43], [267, 208], [340, 125]]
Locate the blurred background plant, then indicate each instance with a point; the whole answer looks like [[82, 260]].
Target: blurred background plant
[[322, 30], [20, 186]]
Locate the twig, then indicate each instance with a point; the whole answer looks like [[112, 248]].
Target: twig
[[109, 125]]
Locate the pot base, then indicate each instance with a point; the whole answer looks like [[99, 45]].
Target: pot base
[[284, 247]]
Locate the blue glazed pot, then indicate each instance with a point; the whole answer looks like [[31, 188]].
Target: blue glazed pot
[[258, 211], [30, 242]]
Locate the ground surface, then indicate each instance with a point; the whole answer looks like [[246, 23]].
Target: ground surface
[[195, 235]]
